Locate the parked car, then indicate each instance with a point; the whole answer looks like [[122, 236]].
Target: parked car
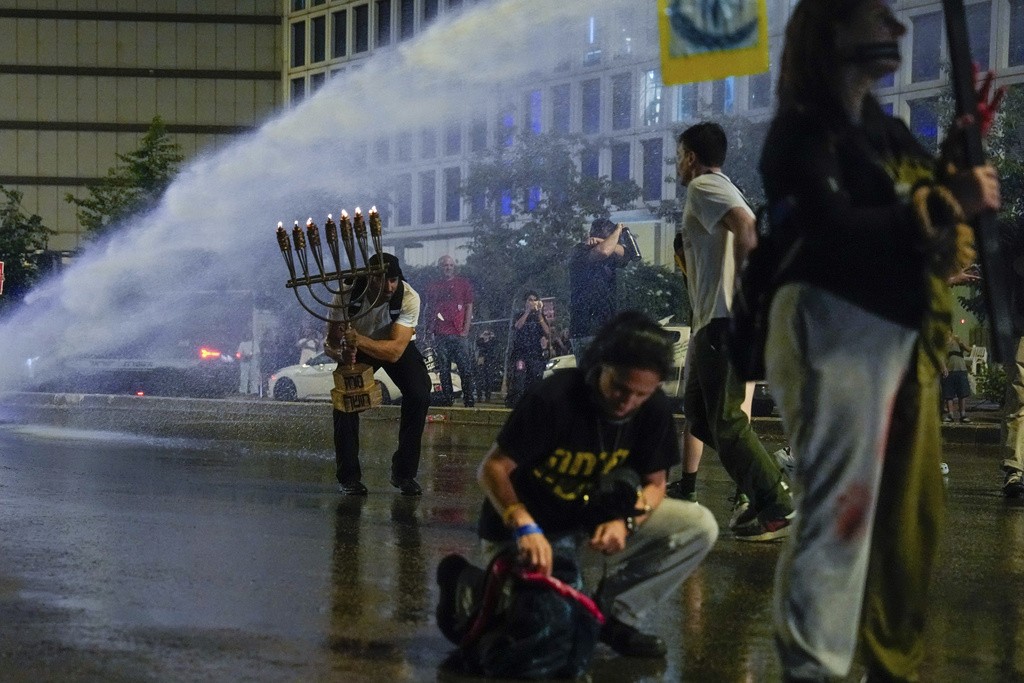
[[314, 379], [673, 384]]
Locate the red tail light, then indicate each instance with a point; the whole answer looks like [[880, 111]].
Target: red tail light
[[208, 354]]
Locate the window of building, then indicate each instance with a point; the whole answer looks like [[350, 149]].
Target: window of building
[[361, 29], [318, 39], [686, 102], [723, 96], [403, 147], [561, 120], [478, 135], [887, 81], [298, 90], [654, 166], [590, 104], [532, 106], [316, 80], [650, 98], [382, 150], [428, 143], [453, 194], [979, 32], [406, 19], [298, 5], [339, 33], [383, 23], [622, 102], [319, 2], [430, 10], [759, 91], [403, 199], [590, 163], [452, 138], [924, 55], [504, 132], [506, 203], [924, 121], [592, 55], [532, 198], [428, 197], [298, 43], [478, 203], [1016, 52], [620, 162]]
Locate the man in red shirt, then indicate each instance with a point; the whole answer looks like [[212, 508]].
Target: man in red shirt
[[449, 316]]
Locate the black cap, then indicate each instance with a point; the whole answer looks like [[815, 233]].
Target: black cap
[[601, 227], [391, 266]]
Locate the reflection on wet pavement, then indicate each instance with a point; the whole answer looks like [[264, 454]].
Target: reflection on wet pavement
[[126, 559]]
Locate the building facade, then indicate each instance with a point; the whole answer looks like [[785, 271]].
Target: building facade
[[82, 80], [609, 86]]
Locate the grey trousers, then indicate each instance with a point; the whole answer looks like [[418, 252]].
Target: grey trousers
[[663, 551]]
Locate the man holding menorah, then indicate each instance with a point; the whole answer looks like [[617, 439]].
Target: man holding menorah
[[380, 329]]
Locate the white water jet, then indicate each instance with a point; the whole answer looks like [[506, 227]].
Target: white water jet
[[214, 228]]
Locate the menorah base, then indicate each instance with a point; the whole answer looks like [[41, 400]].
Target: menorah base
[[355, 389]]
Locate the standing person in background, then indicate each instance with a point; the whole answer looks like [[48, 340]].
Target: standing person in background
[[592, 267], [309, 344], [247, 356], [956, 386], [487, 364], [449, 319], [869, 226], [526, 359], [717, 234], [1013, 422]]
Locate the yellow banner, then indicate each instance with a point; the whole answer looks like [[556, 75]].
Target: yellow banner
[[704, 40]]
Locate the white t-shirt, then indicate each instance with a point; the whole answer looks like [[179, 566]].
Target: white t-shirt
[[708, 246], [377, 323]]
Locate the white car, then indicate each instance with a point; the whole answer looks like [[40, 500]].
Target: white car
[[314, 379], [673, 384]]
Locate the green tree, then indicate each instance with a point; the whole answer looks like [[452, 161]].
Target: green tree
[[133, 185], [22, 239], [531, 204]]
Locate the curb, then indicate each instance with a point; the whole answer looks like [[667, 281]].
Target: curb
[[305, 425]]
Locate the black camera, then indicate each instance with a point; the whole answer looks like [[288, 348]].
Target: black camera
[[628, 243]]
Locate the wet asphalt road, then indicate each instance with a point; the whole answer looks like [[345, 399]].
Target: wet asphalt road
[[135, 559]]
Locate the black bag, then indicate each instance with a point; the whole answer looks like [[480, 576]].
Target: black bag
[[510, 622], [756, 283]]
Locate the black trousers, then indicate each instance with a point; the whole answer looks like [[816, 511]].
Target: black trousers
[[409, 373]]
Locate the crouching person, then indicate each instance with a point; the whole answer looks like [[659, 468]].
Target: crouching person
[[580, 467]]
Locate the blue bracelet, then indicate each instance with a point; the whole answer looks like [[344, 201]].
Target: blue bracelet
[[528, 529]]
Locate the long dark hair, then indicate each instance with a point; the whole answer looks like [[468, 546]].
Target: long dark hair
[[811, 64]]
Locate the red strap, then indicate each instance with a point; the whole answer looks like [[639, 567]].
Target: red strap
[[564, 590]]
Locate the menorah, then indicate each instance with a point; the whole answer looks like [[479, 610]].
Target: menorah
[[341, 295]]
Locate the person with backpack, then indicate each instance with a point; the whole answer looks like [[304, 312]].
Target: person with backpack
[[383, 337], [580, 468]]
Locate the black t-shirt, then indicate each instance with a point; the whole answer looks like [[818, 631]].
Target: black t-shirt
[[591, 291], [562, 446]]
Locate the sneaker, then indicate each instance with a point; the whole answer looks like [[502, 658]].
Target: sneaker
[[1013, 485], [352, 488], [965, 420], [408, 487], [742, 515], [628, 641], [768, 530], [785, 460], [675, 490], [947, 418]]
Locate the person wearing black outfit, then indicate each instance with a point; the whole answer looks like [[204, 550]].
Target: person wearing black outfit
[[547, 473], [526, 359], [384, 337], [592, 275]]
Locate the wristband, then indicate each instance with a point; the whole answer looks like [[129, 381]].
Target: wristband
[[528, 530], [506, 515]]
